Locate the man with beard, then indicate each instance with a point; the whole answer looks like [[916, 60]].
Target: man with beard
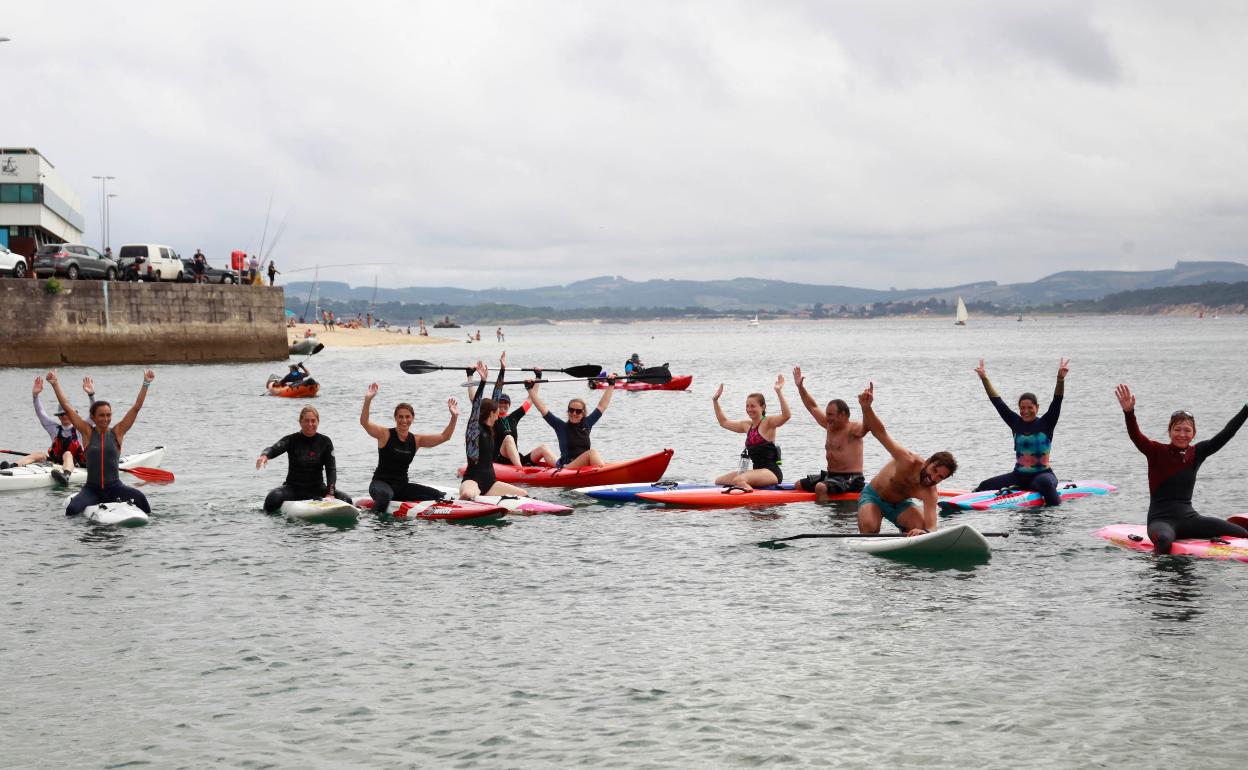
[[904, 491]]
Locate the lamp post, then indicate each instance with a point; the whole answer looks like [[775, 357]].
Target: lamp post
[[108, 219], [103, 206]]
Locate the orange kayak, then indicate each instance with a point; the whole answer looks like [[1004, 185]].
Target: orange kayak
[[642, 469], [306, 389]]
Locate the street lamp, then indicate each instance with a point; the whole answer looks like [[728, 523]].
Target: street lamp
[[103, 206], [108, 220]]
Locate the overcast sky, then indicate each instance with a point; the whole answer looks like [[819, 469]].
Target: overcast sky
[[519, 143]]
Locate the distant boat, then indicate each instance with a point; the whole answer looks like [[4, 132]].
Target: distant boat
[[754, 322], [962, 317], [1020, 316]]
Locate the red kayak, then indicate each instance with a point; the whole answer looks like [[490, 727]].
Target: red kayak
[[732, 497], [676, 383], [463, 511], [642, 470]]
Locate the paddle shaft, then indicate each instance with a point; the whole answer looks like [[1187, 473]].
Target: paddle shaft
[[417, 366]]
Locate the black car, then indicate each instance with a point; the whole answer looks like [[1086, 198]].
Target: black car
[[211, 274], [74, 261]]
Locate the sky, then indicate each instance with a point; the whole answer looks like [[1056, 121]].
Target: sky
[[475, 144]]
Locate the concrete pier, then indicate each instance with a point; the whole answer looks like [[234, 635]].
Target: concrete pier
[[99, 322]]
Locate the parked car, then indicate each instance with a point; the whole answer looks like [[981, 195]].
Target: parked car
[[211, 274], [12, 264], [150, 262], [74, 261]]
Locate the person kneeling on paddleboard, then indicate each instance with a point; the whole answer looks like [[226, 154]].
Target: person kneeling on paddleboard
[[904, 491], [479, 478], [760, 460], [842, 446], [396, 448], [575, 450], [1033, 438], [1172, 476], [66, 446], [103, 450], [308, 455]]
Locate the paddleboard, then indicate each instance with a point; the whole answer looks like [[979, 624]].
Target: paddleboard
[[1135, 537], [630, 492], [116, 515], [732, 497], [992, 499], [523, 506], [325, 510], [462, 511], [960, 541], [37, 475]]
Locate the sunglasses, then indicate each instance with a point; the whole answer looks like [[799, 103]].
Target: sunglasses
[[1182, 413], [574, 410]]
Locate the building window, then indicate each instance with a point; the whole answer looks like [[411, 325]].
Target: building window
[[21, 193], [9, 193]]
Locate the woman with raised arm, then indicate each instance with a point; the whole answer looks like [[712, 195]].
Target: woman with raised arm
[[575, 450], [396, 448], [760, 460], [1172, 475], [1033, 438], [103, 450], [309, 454], [479, 478]]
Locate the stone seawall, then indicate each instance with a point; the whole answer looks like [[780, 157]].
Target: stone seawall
[[98, 322]]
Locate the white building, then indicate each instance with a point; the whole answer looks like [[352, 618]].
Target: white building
[[36, 205]]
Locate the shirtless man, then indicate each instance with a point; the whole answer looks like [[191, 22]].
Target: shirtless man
[[843, 446], [904, 491]]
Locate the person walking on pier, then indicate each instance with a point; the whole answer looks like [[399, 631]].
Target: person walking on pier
[[273, 271]]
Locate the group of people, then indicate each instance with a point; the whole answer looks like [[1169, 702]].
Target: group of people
[[903, 492]]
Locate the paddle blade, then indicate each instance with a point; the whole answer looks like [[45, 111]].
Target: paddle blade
[[17, 452], [585, 370], [319, 347], [416, 366], [152, 474], [655, 374]]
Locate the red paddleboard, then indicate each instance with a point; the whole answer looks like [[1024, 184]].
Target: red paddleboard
[[464, 511], [732, 497], [643, 469]]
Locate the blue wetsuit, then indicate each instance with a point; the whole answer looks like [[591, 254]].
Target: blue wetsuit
[[1033, 441]]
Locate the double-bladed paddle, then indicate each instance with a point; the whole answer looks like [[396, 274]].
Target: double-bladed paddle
[[416, 366], [656, 375], [769, 543], [147, 474]]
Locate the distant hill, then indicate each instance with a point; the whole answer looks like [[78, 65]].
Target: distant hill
[[750, 294]]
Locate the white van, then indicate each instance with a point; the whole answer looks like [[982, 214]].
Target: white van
[[149, 262]]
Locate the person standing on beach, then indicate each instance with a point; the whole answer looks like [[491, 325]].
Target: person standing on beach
[[273, 271]]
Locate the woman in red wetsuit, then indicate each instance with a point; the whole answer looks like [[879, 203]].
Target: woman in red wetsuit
[[1172, 476]]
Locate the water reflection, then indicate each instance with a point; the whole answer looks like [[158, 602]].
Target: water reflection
[[1172, 591]]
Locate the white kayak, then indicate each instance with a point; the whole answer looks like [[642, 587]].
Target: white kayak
[[116, 515], [38, 475], [325, 510], [960, 541]]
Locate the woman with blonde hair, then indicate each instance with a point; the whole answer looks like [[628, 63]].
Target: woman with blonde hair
[[309, 454]]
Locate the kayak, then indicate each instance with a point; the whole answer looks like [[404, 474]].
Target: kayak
[[1135, 537], [116, 515], [960, 541], [733, 497], [305, 346], [629, 492], [325, 511], [1009, 497], [648, 468], [306, 389], [676, 383], [525, 506], [459, 511], [38, 475]]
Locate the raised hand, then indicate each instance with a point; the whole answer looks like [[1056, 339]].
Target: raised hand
[[867, 397], [502, 359], [718, 392], [980, 369], [1063, 366], [371, 391], [51, 378], [148, 375], [611, 378], [88, 386], [262, 461], [798, 379], [483, 370], [1126, 399], [779, 382], [38, 387]]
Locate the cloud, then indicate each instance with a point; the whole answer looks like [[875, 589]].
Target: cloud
[[528, 143]]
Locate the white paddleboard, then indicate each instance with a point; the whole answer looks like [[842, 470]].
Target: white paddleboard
[[331, 509], [959, 541], [116, 515]]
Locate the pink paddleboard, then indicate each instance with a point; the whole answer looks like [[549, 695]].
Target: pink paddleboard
[[1135, 537]]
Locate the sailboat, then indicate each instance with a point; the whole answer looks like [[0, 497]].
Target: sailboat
[[755, 321], [961, 317]]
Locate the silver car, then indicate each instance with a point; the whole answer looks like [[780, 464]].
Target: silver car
[[74, 261]]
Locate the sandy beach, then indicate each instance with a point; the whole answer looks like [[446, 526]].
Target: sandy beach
[[361, 338]]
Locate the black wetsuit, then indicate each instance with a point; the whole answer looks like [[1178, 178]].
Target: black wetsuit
[[479, 444], [1171, 479], [308, 456], [504, 427], [390, 478], [763, 454], [103, 482], [573, 436], [1032, 443]]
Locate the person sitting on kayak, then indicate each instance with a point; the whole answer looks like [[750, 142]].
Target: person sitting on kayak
[[506, 439], [479, 478], [842, 446], [904, 491], [1172, 476], [298, 372], [309, 454], [760, 460], [396, 448], [1033, 438], [66, 446], [575, 449], [633, 365], [103, 450]]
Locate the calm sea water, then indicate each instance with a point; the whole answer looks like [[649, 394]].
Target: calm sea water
[[625, 636]]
